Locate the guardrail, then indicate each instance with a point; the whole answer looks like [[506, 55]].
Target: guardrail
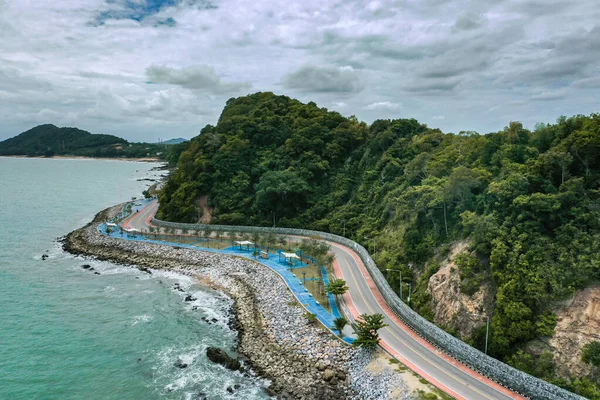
[[495, 370]]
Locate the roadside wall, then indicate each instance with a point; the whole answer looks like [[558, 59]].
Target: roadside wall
[[495, 370]]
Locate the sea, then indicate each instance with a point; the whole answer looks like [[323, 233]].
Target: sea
[[67, 333]]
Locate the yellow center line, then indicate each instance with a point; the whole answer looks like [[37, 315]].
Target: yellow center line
[[408, 345]]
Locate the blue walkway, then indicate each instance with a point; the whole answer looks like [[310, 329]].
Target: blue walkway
[[294, 283]]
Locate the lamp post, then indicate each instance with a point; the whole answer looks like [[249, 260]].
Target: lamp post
[[487, 328], [409, 290], [398, 270]]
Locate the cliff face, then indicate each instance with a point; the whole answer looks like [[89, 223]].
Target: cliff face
[[578, 323], [452, 308]]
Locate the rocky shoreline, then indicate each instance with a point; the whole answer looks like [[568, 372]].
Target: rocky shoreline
[[302, 360]]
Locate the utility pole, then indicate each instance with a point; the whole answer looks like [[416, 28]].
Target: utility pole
[[487, 329]]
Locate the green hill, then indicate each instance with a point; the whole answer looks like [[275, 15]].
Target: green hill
[[173, 141], [527, 201], [49, 140]]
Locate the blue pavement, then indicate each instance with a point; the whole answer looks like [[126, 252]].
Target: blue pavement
[[294, 283]]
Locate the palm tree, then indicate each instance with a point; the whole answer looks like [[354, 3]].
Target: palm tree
[[339, 324]]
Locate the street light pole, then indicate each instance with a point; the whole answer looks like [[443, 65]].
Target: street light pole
[[398, 270], [487, 329], [409, 290]]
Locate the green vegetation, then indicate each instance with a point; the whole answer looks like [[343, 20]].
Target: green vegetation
[[49, 140], [339, 324], [367, 328], [310, 317], [337, 287], [591, 353], [527, 201]]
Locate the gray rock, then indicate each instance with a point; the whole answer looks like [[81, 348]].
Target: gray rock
[[219, 356]]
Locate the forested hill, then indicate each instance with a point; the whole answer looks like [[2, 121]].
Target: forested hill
[[49, 140], [526, 201]]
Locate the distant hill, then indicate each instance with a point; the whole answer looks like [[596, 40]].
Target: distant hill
[[174, 141], [49, 140]]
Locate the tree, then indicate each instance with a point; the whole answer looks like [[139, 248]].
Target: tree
[[270, 240], [367, 327], [231, 235], [591, 353], [281, 241], [280, 192], [339, 324], [207, 234], [337, 287]]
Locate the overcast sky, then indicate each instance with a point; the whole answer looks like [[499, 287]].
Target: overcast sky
[[149, 69]]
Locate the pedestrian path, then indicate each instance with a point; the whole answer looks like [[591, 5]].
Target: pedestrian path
[[294, 283]]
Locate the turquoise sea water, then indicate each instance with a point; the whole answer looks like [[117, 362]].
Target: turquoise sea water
[[66, 333]]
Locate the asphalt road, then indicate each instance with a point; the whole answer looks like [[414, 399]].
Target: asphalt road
[[363, 298], [399, 340]]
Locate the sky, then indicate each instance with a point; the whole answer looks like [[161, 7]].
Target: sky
[[150, 69]]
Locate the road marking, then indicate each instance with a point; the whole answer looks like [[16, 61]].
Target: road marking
[[405, 343], [147, 209]]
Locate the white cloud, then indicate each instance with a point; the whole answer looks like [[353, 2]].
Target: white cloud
[[201, 77], [310, 78], [481, 64], [384, 105]]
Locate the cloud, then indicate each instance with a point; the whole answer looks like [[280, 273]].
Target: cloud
[[480, 64], [138, 10], [384, 105], [324, 79], [467, 22], [550, 95], [200, 77]]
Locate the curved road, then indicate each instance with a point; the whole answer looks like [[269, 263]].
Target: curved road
[[397, 339]]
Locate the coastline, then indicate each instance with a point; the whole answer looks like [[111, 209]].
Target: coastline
[[301, 360], [143, 159]]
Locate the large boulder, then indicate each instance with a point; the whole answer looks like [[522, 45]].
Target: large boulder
[[328, 374], [219, 356]]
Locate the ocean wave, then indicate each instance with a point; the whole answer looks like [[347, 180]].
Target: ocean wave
[[141, 319]]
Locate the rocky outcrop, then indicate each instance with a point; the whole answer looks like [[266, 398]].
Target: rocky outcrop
[[453, 309], [220, 356], [578, 323]]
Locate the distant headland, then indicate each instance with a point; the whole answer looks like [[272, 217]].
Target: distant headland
[[51, 141]]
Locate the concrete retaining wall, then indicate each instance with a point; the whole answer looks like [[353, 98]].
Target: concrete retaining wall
[[495, 370]]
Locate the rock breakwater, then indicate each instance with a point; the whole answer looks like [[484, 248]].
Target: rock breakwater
[[302, 360]]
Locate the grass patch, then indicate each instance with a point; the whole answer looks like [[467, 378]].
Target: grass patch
[[422, 395]]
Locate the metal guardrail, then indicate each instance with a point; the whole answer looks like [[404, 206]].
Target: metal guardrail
[[495, 370]]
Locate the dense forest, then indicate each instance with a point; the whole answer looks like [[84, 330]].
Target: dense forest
[[526, 201], [49, 140]]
